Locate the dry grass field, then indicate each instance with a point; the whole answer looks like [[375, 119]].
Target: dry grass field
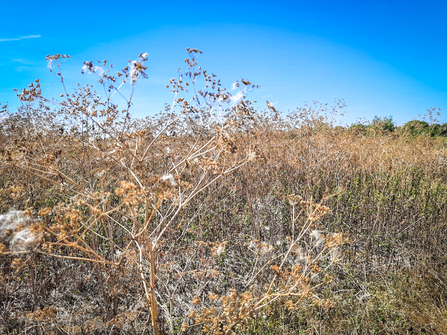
[[214, 217]]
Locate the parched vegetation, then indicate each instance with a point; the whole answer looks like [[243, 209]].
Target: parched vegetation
[[215, 217]]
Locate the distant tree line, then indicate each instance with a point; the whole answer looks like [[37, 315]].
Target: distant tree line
[[386, 125]]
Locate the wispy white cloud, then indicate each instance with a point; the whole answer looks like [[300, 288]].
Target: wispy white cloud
[[22, 61], [30, 36], [20, 69], [19, 38]]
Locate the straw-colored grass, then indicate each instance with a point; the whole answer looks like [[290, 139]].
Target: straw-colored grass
[[215, 217]]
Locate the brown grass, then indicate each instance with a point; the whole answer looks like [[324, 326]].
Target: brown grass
[[215, 217]]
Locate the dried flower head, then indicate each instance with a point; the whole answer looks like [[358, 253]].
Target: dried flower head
[[169, 178], [294, 199], [12, 220], [24, 239]]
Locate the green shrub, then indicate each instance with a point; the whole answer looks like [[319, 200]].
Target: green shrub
[[384, 124], [443, 130], [358, 129], [423, 128]]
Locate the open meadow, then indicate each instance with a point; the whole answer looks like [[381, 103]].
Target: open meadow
[[216, 217]]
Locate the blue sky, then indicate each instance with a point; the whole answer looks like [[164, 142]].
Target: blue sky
[[382, 57]]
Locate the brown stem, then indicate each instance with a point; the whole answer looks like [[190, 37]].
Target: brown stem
[[154, 307]]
